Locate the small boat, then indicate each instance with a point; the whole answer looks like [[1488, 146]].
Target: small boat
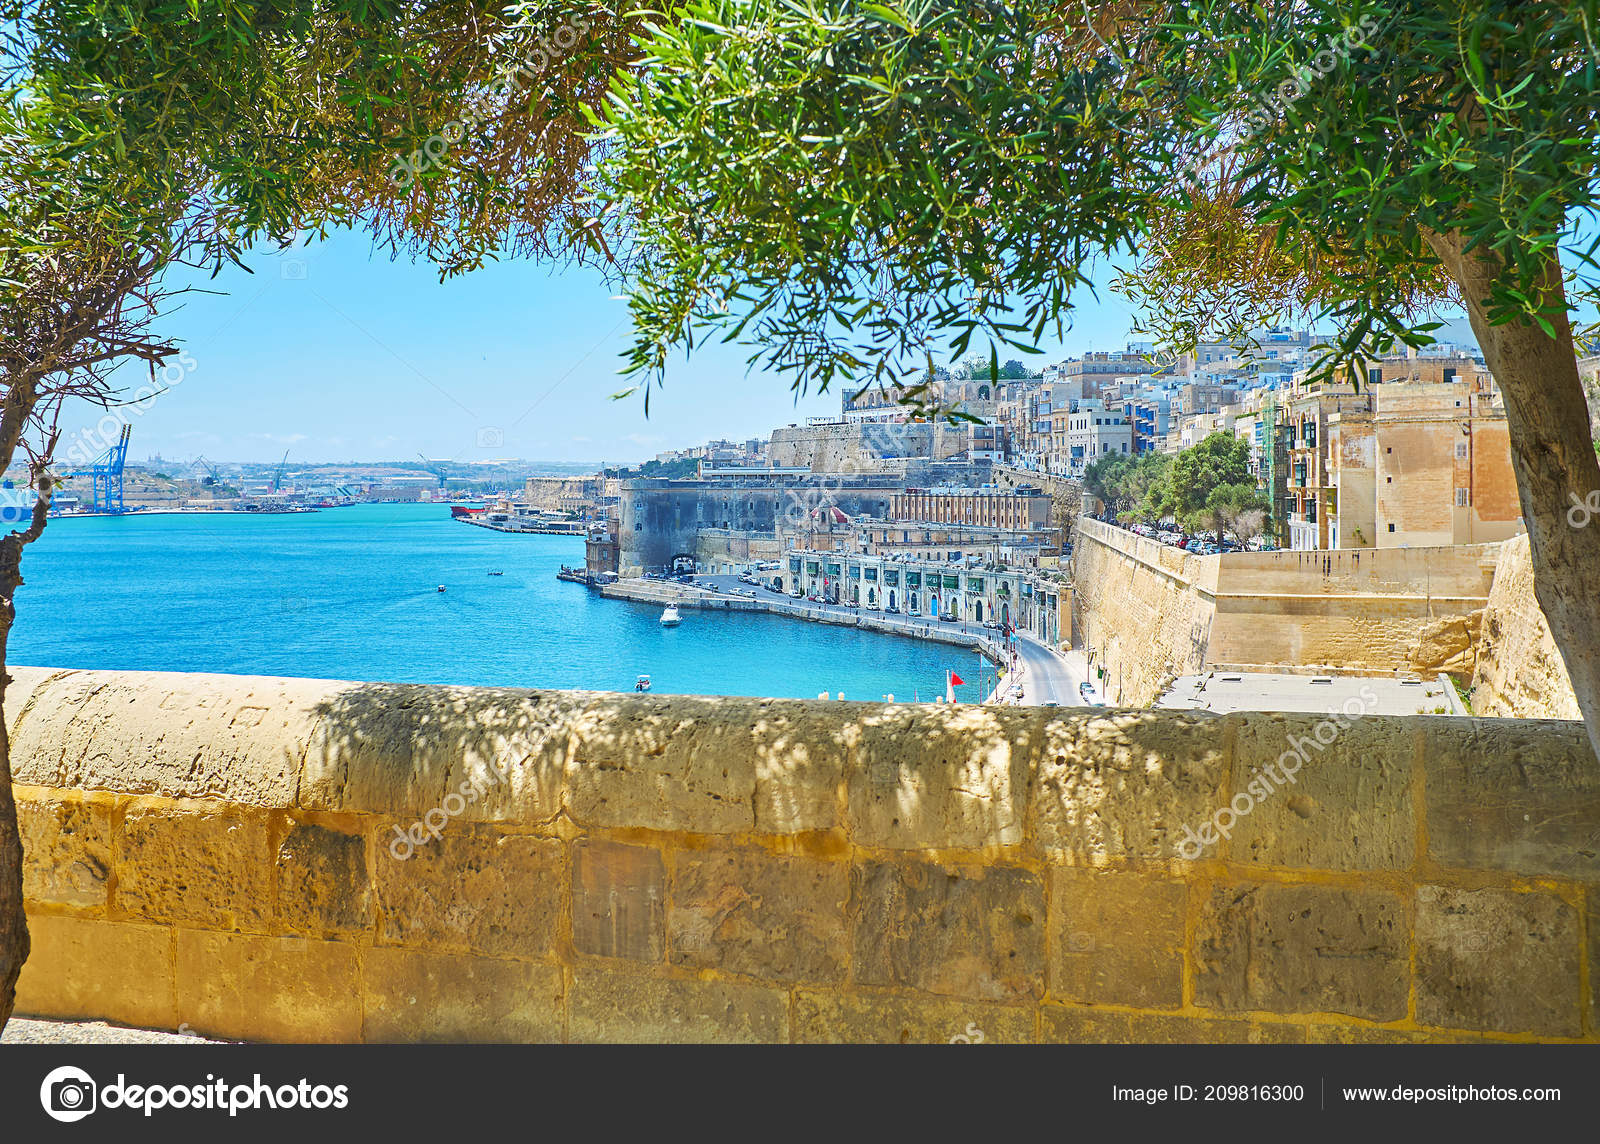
[[670, 617], [642, 683], [497, 573], [441, 587]]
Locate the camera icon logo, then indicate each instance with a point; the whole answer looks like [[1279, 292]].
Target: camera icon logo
[[68, 1094], [490, 437], [293, 269]]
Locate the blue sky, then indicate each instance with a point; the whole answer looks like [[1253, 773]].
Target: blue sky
[[336, 353]]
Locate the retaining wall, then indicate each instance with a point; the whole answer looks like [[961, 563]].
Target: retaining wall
[[221, 852], [1149, 611]]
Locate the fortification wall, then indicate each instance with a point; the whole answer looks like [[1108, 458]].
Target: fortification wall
[[1520, 672], [293, 860], [1150, 611]]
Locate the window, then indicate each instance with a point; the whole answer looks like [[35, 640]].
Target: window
[[1461, 450], [1391, 526], [1462, 500], [1388, 480]]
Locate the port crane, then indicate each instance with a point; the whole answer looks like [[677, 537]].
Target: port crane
[[277, 477], [105, 476], [212, 476], [437, 468]]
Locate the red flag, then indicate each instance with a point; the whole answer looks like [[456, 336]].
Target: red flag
[[955, 680]]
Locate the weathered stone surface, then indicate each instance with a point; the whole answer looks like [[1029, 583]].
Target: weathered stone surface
[[1593, 912], [1303, 949], [1320, 1034], [1347, 803], [928, 777], [196, 863], [747, 911], [623, 1008], [961, 931], [66, 847], [27, 685], [107, 971], [619, 900], [682, 763], [434, 997], [1497, 959], [1116, 938], [800, 764], [323, 884], [268, 988], [1124, 785], [478, 753], [826, 1017], [233, 737], [474, 889], [1154, 1029], [1514, 795], [1520, 672], [1072, 1025]]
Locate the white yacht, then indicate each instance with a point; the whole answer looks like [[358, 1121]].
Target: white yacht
[[670, 617]]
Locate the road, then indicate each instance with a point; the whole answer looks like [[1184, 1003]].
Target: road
[[911, 625], [1048, 677]]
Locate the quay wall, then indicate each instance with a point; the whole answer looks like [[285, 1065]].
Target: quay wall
[[221, 852], [1147, 611]]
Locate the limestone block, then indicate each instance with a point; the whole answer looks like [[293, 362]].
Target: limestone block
[[929, 778], [1303, 949], [619, 900], [799, 757], [478, 753], [1593, 912], [1074, 1025], [26, 685], [1497, 959], [1320, 1034], [963, 931], [66, 847], [1514, 795], [1348, 806], [285, 989], [323, 884], [415, 998], [197, 863], [1124, 785], [857, 1018], [233, 737], [1116, 938], [608, 1006], [747, 911], [475, 890], [90, 969], [682, 763]]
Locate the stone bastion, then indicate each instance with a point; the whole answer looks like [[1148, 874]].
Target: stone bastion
[[304, 860]]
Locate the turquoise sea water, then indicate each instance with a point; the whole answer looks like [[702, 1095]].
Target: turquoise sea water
[[350, 593]]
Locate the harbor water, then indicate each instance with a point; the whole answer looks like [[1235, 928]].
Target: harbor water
[[351, 593]]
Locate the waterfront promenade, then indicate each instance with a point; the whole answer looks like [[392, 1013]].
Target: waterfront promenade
[[1045, 676]]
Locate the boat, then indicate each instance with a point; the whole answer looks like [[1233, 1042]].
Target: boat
[[441, 587], [670, 617], [642, 683], [496, 573]]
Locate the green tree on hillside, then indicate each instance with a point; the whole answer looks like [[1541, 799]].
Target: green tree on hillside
[[1207, 480]]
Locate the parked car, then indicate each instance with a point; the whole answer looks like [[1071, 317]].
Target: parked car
[[892, 610]]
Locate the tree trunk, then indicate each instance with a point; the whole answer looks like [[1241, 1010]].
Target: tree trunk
[[1552, 454], [14, 944]]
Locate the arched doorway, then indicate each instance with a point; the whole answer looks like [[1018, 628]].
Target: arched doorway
[[933, 605], [872, 597], [891, 599], [1005, 615], [911, 601], [977, 610]]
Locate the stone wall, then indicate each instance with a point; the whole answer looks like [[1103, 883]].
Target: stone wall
[[1520, 672], [1148, 611], [221, 852]]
